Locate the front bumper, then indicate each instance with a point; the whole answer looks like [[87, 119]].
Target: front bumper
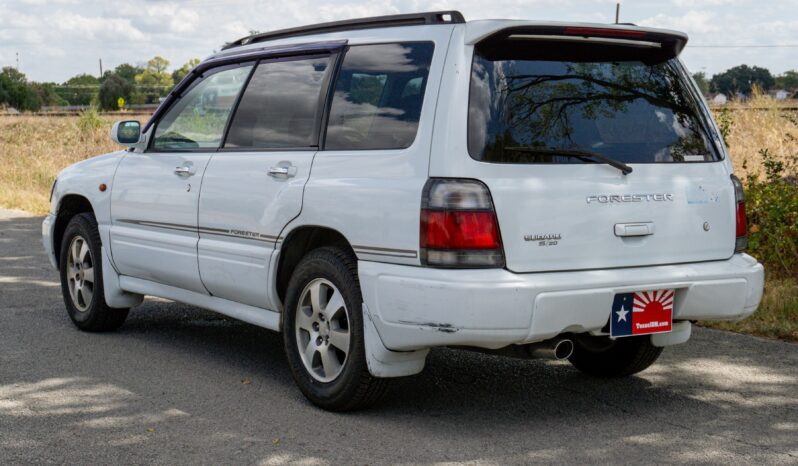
[[418, 307], [48, 226]]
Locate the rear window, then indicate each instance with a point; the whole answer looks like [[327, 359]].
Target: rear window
[[626, 110], [378, 96]]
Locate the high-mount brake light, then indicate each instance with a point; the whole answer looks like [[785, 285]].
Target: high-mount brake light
[[459, 228], [741, 220], [604, 32]]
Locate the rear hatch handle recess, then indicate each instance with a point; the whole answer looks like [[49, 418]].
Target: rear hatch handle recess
[[578, 153], [633, 230]]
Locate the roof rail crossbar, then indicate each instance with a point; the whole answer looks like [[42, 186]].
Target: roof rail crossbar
[[413, 19]]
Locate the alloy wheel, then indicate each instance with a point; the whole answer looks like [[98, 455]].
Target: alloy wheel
[[80, 273], [322, 330]]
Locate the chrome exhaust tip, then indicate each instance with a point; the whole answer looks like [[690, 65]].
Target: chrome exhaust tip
[[563, 349]]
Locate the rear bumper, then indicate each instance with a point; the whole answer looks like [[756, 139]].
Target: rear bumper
[[416, 307]]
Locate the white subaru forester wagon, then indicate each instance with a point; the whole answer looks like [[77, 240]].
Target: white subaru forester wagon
[[374, 188]]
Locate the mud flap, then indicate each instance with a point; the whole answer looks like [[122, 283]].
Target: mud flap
[[115, 296], [385, 363], [680, 334]]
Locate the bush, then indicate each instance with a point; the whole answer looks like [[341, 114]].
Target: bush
[[772, 203], [89, 122]]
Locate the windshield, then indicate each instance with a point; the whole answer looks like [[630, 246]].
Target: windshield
[[626, 110]]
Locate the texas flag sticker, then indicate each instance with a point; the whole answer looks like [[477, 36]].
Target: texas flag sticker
[[642, 313]]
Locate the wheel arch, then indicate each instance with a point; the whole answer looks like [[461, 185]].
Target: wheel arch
[[299, 242], [68, 206]]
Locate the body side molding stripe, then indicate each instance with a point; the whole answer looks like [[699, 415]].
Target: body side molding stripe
[[255, 236]]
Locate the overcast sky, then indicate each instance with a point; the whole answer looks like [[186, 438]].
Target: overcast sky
[[57, 39]]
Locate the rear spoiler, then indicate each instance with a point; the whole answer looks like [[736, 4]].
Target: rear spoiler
[[654, 45]]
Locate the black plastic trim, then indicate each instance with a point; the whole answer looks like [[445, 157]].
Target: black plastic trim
[[233, 58], [374, 22]]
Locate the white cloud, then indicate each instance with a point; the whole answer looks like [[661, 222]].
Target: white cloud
[[703, 3], [136, 30]]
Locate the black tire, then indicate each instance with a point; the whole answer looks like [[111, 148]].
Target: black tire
[[94, 315], [602, 357], [354, 387]]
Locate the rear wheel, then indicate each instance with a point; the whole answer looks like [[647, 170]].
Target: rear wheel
[[82, 277], [602, 357], [323, 333]]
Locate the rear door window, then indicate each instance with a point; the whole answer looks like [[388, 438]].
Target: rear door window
[[522, 110], [378, 96], [282, 105]]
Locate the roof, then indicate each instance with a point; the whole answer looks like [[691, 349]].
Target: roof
[[374, 22]]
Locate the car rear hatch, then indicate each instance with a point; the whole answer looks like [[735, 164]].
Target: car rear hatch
[[549, 105]]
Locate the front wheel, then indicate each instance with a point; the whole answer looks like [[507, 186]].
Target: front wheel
[[82, 277], [323, 333], [602, 357]]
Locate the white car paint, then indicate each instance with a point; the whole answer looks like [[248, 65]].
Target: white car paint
[[373, 199]]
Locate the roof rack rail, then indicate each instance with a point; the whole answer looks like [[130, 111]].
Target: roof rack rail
[[413, 19]]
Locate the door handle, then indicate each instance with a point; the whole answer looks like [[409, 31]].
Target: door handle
[[184, 171], [634, 229], [282, 171]]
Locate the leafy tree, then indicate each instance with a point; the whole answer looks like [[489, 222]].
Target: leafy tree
[[788, 80], [702, 81], [182, 72], [46, 94], [154, 81], [16, 91], [83, 80], [112, 89], [128, 72], [742, 79]]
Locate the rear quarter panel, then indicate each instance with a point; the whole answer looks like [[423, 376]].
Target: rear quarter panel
[[373, 197]]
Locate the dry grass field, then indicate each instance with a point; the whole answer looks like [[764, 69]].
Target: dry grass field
[[33, 149], [759, 124]]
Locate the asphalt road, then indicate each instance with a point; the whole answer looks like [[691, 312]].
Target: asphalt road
[[179, 385]]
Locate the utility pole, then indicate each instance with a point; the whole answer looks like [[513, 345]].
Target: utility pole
[[17, 61], [617, 12], [101, 68]]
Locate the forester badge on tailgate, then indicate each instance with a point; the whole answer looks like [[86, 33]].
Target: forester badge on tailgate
[[642, 313]]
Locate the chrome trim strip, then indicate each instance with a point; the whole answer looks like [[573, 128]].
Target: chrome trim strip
[[390, 252]]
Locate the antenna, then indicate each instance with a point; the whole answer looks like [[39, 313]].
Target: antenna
[[617, 12]]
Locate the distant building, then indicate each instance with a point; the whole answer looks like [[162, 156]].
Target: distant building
[[720, 99], [782, 95]]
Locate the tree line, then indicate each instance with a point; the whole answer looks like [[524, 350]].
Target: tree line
[[126, 84], [133, 84], [742, 79]]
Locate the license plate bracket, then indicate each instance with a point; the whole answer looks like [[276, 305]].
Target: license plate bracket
[[642, 313]]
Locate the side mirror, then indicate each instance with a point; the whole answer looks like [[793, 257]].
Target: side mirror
[[126, 133]]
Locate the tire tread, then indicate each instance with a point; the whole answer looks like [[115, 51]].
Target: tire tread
[[103, 318], [362, 389]]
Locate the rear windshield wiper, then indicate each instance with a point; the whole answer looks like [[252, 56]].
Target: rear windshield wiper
[[582, 154]]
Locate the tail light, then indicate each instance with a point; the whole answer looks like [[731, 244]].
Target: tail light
[[741, 229], [459, 228]]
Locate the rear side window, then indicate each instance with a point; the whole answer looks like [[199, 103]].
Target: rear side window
[[523, 110], [197, 120], [378, 96], [281, 105]]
